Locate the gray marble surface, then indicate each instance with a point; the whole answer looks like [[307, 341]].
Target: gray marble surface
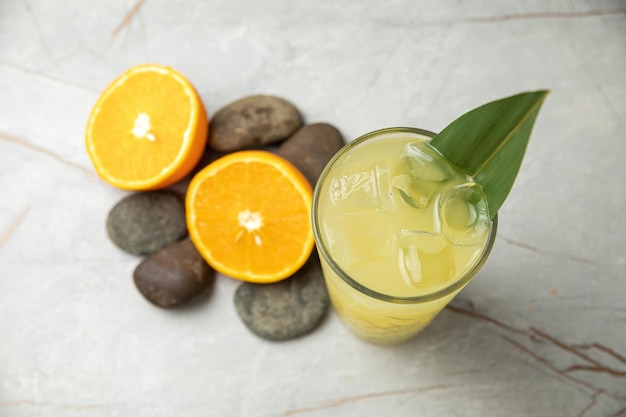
[[540, 332]]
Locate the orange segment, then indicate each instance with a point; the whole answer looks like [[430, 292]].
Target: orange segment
[[248, 214], [147, 130]]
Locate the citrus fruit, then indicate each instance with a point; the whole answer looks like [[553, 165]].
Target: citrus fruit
[[147, 130], [248, 213]]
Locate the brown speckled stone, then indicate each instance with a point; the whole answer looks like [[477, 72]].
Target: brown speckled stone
[[311, 147], [253, 121], [173, 276]]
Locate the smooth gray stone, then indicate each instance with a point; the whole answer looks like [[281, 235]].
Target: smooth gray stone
[[144, 223], [287, 309]]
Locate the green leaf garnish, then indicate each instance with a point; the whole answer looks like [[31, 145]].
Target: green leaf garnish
[[489, 143]]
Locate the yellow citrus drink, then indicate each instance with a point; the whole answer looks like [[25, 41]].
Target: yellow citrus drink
[[400, 232]]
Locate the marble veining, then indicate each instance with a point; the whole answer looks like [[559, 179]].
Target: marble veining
[[538, 333]]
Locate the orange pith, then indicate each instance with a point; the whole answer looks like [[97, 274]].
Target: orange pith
[[248, 214], [147, 130]]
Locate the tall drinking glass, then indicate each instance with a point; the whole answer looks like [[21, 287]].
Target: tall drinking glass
[[400, 231]]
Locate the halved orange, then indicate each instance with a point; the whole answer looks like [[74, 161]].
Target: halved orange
[[248, 214], [147, 130]]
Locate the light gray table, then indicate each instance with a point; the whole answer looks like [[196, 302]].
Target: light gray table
[[540, 332]]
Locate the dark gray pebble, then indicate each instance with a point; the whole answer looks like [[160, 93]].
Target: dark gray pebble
[[311, 147], [144, 223], [253, 121], [286, 309], [173, 276]]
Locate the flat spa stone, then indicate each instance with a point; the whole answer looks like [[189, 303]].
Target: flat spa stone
[[253, 121], [173, 276], [287, 309], [311, 147], [144, 223]]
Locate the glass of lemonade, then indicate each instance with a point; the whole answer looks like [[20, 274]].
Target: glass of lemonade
[[400, 231]]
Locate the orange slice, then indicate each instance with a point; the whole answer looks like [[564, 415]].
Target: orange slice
[[248, 214], [147, 130]]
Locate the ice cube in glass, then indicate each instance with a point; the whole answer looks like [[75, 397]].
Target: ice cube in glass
[[420, 173], [358, 237], [363, 189], [424, 258], [463, 214]]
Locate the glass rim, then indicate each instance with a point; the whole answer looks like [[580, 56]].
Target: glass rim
[[319, 241]]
